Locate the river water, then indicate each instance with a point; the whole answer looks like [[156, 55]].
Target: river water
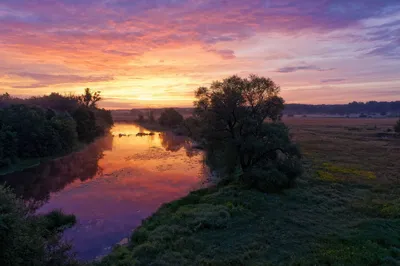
[[112, 184]]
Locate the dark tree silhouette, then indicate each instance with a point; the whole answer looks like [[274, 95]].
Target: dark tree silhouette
[[397, 127], [170, 118], [89, 98], [233, 115]]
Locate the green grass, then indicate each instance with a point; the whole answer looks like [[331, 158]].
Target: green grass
[[345, 210], [317, 223]]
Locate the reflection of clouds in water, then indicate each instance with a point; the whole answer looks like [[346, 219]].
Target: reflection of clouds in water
[[138, 175]]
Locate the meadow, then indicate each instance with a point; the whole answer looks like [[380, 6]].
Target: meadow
[[344, 210]]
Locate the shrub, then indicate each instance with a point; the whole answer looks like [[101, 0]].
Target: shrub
[[27, 239], [170, 118]]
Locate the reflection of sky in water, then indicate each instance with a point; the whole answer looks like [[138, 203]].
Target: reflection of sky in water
[[133, 179]]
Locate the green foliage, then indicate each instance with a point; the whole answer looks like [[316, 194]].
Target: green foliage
[[397, 127], [104, 121], [312, 224], [49, 125], [8, 146], [170, 118], [85, 123], [27, 239], [232, 118], [55, 101], [91, 123], [28, 132]]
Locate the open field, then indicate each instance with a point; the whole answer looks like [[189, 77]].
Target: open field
[[345, 209], [357, 144]]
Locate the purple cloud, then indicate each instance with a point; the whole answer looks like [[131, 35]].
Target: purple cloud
[[290, 69], [225, 53], [332, 80], [207, 21], [45, 80]]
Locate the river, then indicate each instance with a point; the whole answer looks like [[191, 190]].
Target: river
[[112, 184]]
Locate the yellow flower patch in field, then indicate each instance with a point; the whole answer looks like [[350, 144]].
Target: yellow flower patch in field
[[324, 175], [329, 172]]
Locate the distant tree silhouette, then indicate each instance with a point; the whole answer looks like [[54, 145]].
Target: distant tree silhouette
[[170, 118], [140, 117], [89, 98], [151, 118], [5, 97]]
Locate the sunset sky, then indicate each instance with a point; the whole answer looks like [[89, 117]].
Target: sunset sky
[[156, 53]]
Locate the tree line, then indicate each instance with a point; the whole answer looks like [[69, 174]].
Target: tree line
[[49, 125], [382, 108]]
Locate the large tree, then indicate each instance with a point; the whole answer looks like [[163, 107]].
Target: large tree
[[240, 123]]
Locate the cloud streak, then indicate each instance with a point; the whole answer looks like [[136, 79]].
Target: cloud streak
[[45, 80], [291, 69]]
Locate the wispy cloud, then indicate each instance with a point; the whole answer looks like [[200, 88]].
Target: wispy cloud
[[224, 53], [290, 69], [332, 80], [45, 80]]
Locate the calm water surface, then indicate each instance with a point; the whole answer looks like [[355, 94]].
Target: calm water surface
[[112, 185]]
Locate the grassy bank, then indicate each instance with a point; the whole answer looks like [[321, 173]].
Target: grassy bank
[[345, 210]]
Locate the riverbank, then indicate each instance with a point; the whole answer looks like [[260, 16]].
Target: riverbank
[[344, 211], [33, 162]]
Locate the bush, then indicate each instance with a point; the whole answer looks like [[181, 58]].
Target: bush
[[170, 118], [27, 239]]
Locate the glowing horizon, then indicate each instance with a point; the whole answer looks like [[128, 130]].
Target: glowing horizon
[[156, 53]]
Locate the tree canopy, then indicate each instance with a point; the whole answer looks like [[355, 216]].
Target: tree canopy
[[48, 125], [240, 124], [27, 239]]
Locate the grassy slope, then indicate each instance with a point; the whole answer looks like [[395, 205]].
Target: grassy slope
[[344, 211]]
